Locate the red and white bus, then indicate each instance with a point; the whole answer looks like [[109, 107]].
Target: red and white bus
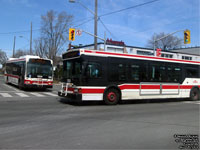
[[29, 72], [111, 77]]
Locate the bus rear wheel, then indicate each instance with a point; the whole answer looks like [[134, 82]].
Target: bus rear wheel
[[111, 97], [195, 94]]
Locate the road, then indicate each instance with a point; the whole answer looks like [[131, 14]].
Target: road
[[44, 121]]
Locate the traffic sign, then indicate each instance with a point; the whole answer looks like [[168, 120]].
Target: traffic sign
[[79, 32]]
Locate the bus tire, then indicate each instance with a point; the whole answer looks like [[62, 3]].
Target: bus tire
[[195, 94], [111, 96]]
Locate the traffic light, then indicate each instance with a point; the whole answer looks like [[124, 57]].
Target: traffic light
[[71, 34], [187, 37]]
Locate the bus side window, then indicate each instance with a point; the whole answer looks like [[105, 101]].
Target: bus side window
[[162, 73], [134, 72], [177, 74], [121, 72], [170, 74], [174, 73], [93, 70], [191, 72], [154, 73]]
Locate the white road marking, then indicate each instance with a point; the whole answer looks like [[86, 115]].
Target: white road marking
[[50, 94], [22, 94], [5, 95], [37, 94]]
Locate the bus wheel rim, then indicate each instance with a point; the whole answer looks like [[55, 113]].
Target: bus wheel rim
[[111, 96]]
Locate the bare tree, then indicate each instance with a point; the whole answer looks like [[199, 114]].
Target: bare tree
[[54, 33], [170, 42], [3, 57], [41, 48], [21, 52]]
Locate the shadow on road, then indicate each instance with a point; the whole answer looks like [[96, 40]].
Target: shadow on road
[[30, 89], [79, 103], [124, 102]]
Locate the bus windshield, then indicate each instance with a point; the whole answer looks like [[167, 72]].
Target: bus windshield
[[72, 69], [37, 68]]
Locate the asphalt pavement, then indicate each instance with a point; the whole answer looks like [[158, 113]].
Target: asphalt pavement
[[49, 122]]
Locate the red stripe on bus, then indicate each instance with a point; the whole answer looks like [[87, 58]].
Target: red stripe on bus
[[150, 86], [10, 75], [123, 87], [39, 82], [126, 87], [186, 86], [170, 86], [138, 56], [91, 91]]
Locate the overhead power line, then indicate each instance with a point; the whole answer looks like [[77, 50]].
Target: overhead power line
[[25, 31], [131, 7], [84, 22], [108, 29]]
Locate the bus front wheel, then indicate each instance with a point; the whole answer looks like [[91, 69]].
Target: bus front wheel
[[195, 94], [111, 96]]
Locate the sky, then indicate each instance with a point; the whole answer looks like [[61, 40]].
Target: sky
[[133, 26]]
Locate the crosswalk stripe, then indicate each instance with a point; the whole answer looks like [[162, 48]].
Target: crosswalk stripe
[[38, 94], [21, 94], [50, 94], [5, 95]]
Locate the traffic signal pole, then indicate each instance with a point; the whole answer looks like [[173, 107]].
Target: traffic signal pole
[[95, 13], [95, 26], [156, 40], [98, 38], [72, 35]]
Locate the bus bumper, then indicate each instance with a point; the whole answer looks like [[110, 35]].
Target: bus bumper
[[38, 86], [73, 97]]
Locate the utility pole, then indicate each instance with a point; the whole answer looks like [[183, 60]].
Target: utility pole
[[95, 13], [14, 47], [31, 40], [95, 26]]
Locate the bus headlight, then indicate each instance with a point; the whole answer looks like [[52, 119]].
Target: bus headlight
[[27, 82], [76, 90]]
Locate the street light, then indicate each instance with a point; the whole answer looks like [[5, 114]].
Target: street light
[[14, 46], [95, 19], [21, 36]]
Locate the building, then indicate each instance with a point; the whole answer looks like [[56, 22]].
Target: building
[[189, 50], [119, 47]]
